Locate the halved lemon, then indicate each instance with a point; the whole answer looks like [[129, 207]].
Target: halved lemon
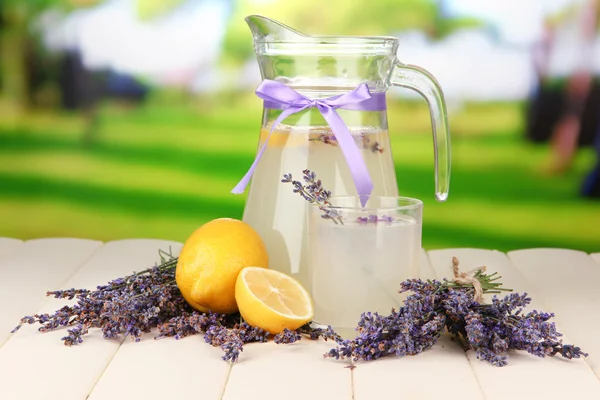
[[272, 300]]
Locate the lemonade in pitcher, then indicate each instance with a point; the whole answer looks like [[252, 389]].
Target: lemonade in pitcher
[[279, 214], [324, 109]]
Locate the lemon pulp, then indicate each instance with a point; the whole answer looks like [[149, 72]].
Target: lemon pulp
[[272, 300]]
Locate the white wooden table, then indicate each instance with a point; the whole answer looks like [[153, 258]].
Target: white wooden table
[[38, 366]]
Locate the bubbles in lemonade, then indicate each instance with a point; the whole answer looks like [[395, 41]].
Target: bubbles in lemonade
[[279, 215]]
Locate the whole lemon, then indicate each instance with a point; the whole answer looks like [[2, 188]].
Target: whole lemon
[[211, 259]]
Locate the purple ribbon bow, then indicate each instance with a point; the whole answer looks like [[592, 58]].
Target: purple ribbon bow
[[279, 96]]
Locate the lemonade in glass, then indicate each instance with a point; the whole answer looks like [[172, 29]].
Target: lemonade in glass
[[359, 256]]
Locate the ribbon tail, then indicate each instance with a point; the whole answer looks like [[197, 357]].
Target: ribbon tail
[[354, 159], [243, 183]]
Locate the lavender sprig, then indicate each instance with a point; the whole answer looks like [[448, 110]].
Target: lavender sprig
[[314, 193], [363, 141], [374, 219], [326, 138], [375, 147], [316, 332]]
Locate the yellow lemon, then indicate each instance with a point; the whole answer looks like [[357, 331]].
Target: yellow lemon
[[212, 258], [272, 300]]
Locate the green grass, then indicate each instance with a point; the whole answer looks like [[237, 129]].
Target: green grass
[[160, 171]]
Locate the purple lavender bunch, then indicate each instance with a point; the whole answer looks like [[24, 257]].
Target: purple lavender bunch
[[133, 305]]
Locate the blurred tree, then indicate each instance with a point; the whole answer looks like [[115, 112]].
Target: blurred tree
[[339, 17], [446, 26], [17, 43], [148, 9], [336, 17]]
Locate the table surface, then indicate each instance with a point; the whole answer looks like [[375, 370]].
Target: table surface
[[37, 365]]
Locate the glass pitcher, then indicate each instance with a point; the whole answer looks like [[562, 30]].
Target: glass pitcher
[[306, 80]]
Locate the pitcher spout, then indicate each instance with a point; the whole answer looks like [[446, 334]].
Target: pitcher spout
[[266, 29], [321, 63]]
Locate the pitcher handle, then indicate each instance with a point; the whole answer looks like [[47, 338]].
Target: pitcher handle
[[421, 81]]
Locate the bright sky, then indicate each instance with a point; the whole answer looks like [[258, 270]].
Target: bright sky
[[111, 35], [185, 44], [517, 21]]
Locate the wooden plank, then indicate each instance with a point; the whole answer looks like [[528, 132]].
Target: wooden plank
[[291, 372], [568, 282], [164, 369], [32, 268], [59, 371], [441, 372], [446, 362], [572, 379], [8, 244], [596, 257]]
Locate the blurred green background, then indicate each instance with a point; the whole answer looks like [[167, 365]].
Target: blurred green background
[[161, 163]]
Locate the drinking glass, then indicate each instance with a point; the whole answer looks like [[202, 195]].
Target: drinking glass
[[359, 255]]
